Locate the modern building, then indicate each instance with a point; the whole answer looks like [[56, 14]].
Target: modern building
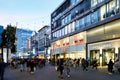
[[86, 29], [34, 43], [43, 41], [1, 30], [22, 36]]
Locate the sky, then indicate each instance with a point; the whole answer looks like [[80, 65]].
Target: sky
[[27, 14]]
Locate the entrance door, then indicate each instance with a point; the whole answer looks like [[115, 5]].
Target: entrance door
[[107, 55], [95, 54]]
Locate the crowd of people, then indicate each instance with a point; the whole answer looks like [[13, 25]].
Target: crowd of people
[[30, 65], [66, 64]]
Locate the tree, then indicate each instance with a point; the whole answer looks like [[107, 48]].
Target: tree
[[8, 37]]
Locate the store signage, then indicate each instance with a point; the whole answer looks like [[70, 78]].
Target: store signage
[[100, 45]]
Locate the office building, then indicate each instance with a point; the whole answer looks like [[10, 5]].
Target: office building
[[86, 29]]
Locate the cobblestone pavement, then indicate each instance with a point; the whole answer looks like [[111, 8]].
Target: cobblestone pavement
[[49, 73]]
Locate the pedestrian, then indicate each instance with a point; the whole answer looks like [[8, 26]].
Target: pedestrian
[[67, 65], [110, 66], [84, 64], [61, 68], [117, 65], [28, 65], [32, 65], [2, 69], [94, 63]]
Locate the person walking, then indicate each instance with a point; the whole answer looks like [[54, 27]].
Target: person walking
[[2, 69], [61, 67], [94, 63], [110, 66], [84, 64], [117, 65], [67, 66]]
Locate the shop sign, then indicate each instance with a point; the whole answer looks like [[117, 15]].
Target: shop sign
[[102, 46]]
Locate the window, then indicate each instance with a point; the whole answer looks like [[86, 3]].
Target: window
[[62, 21], [69, 28], [99, 1], [73, 26], [94, 17], [63, 32], [69, 17], [66, 30], [60, 33], [77, 25], [93, 3], [117, 6], [87, 20], [82, 23], [112, 8], [103, 12]]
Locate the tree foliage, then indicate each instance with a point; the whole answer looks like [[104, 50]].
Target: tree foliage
[[8, 37]]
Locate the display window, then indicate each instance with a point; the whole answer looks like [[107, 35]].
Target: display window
[[107, 55]]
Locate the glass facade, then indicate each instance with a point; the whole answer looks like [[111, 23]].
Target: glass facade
[[95, 2], [107, 10], [1, 30]]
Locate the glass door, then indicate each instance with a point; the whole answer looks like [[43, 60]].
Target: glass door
[[107, 55], [95, 54]]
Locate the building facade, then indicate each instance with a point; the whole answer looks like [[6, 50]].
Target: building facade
[[87, 29], [1, 30], [34, 43], [43, 41], [22, 36]]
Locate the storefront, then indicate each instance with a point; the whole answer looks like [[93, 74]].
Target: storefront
[[70, 47], [104, 51]]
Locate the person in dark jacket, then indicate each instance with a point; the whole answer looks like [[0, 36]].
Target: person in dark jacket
[[110, 66], [2, 69], [61, 67]]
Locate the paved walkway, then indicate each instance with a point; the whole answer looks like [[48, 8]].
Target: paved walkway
[[49, 73]]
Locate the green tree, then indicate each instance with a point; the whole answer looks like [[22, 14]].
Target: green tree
[[8, 37]]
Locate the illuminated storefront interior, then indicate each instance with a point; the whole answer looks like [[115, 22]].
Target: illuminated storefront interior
[[70, 47]]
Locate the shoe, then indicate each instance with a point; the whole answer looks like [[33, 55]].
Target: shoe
[[110, 73], [68, 76]]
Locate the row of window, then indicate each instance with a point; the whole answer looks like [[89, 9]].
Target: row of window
[[86, 21], [76, 11], [84, 6], [95, 2]]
